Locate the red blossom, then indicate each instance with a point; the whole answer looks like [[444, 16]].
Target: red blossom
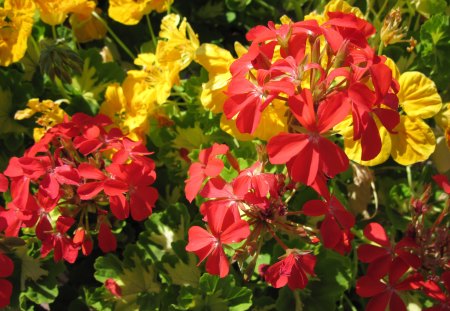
[[292, 270], [387, 293], [336, 225], [324, 157], [223, 230], [208, 166], [114, 288]]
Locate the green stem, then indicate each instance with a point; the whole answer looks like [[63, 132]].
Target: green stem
[[115, 37], [55, 37], [409, 178], [150, 28], [298, 302]]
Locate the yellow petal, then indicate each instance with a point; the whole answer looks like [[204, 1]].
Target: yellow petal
[[214, 58], [87, 28], [128, 12], [213, 93], [240, 49], [414, 141], [179, 42], [418, 95], [24, 114], [273, 121], [16, 22], [353, 148], [341, 6], [395, 71], [441, 156]]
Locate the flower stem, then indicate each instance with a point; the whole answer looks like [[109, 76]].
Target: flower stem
[[115, 37], [150, 28]]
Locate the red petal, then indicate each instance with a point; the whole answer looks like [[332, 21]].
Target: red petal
[[63, 224], [199, 238], [217, 263], [119, 207], [369, 253], [90, 172], [379, 302], [376, 233], [106, 239], [397, 270], [6, 290], [6, 266], [113, 287], [284, 147], [315, 208], [367, 286], [237, 232], [396, 303], [332, 111], [90, 190], [3, 183]]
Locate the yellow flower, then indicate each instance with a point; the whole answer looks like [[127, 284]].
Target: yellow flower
[[334, 6], [54, 12], [130, 12], [443, 121], [128, 108], [155, 77], [413, 140], [273, 121], [16, 22], [86, 27], [217, 62], [178, 44], [50, 115]]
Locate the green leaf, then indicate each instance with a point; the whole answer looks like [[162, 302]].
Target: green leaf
[[214, 293], [183, 273], [135, 275], [45, 288], [431, 7], [30, 268], [334, 277], [8, 124]]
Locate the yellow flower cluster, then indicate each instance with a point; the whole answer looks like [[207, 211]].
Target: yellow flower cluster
[[131, 104], [49, 113]]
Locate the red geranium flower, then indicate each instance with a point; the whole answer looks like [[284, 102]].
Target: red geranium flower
[[335, 227], [292, 270], [208, 166], [380, 257], [223, 229], [323, 157], [384, 294]]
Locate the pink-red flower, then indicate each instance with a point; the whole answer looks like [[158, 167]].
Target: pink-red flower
[[386, 293], [324, 158], [223, 230], [335, 228], [208, 166], [292, 270]]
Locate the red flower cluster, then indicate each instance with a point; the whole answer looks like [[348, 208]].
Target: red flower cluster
[[247, 208], [324, 73], [70, 177]]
